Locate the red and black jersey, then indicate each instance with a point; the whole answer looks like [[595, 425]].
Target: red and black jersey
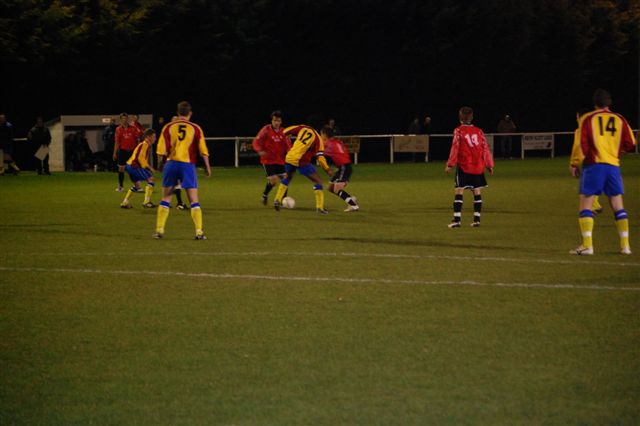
[[469, 150], [274, 143], [127, 137], [334, 148]]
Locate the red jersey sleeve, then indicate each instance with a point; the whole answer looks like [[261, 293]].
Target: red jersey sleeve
[[487, 157], [258, 141], [455, 147]]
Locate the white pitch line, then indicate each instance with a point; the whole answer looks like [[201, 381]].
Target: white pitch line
[[351, 254], [319, 279]]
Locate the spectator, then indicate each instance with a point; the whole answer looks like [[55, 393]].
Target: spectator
[[426, 126], [40, 138], [414, 127], [332, 124], [506, 125], [109, 141], [6, 145]]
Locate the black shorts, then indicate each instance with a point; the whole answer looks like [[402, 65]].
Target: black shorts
[[123, 156], [342, 174], [273, 169], [6, 147], [469, 181]]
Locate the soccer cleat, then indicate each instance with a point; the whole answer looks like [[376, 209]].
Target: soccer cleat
[[182, 206], [625, 250], [148, 205], [276, 205], [119, 189], [201, 237], [157, 235], [598, 211], [454, 225], [265, 200], [475, 224], [582, 251], [351, 208], [322, 211], [126, 206]]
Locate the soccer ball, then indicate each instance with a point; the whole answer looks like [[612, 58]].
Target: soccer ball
[[288, 202]]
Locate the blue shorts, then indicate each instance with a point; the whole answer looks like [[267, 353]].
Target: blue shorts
[[307, 169], [179, 172], [599, 178], [138, 174]]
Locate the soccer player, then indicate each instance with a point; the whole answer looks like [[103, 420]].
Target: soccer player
[[335, 150], [140, 170], [180, 141], [272, 145], [308, 144], [471, 154], [126, 141], [575, 161], [603, 136]]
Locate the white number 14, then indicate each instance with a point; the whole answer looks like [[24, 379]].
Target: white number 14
[[472, 140]]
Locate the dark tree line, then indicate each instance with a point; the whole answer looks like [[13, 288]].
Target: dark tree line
[[371, 64]]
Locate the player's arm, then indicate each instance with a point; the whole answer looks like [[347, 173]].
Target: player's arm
[[628, 140], [576, 155], [116, 146], [204, 153], [487, 157], [453, 154], [258, 142]]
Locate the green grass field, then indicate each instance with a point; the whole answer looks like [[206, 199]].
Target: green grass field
[[384, 316]]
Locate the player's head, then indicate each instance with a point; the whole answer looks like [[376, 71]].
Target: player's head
[[465, 114], [601, 98], [276, 119], [124, 118], [184, 109], [150, 135], [327, 132]]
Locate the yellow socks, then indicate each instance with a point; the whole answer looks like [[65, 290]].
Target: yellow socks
[[163, 215], [282, 189], [622, 223], [148, 190], [319, 198], [196, 215], [586, 227]]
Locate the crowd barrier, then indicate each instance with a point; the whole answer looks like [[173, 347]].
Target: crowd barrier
[[236, 151]]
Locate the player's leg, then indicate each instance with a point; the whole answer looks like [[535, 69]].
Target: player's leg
[[148, 191], [622, 222], [477, 206], [122, 163], [614, 189], [457, 207], [196, 212], [597, 207], [338, 182], [458, 192], [190, 184], [283, 188], [591, 184], [318, 192], [169, 181]]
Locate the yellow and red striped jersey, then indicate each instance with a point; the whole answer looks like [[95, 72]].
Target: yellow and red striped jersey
[[603, 136], [182, 140], [308, 144], [140, 156]]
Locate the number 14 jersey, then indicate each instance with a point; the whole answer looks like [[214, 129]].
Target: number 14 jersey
[[469, 150], [603, 134]]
